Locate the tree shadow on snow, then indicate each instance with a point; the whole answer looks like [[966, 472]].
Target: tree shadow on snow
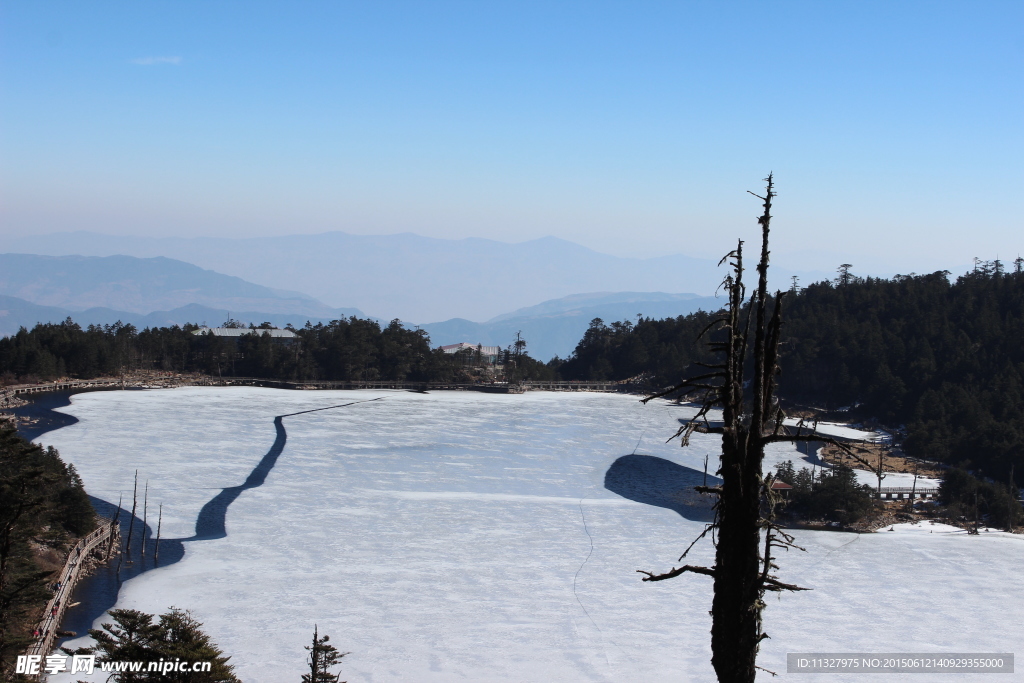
[[655, 481], [98, 592]]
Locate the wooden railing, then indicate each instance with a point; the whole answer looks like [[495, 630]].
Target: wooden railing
[[11, 391], [105, 538], [899, 492], [497, 387]]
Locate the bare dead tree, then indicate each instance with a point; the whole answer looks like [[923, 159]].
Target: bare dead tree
[[159, 523], [880, 471], [913, 487], [131, 522], [877, 468], [744, 561], [113, 524], [145, 524]]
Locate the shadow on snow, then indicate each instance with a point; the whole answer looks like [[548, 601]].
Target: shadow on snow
[[662, 483], [98, 592]]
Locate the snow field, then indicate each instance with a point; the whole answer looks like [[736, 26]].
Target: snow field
[[439, 537]]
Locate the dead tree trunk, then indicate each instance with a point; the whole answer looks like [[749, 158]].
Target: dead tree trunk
[[913, 487], [744, 565], [159, 523], [145, 524], [880, 471], [131, 522]]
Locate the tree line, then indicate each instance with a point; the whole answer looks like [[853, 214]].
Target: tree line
[[43, 510], [943, 358], [351, 349]]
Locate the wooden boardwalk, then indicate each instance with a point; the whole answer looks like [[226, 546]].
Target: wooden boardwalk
[[8, 393], [103, 541], [902, 492], [18, 389], [486, 387]]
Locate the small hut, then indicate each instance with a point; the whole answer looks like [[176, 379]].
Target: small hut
[[782, 488]]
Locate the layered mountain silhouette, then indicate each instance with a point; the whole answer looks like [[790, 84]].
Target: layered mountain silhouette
[[553, 328], [417, 279], [144, 285], [17, 313]]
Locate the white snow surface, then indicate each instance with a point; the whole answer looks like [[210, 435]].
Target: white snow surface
[[839, 430], [439, 537]]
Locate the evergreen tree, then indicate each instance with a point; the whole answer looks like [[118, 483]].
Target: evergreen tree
[[41, 501], [131, 637], [322, 656], [177, 636], [181, 637], [784, 472], [943, 357]]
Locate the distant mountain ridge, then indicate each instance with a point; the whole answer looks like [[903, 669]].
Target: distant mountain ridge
[[555, 327], [17, 313], [142, 285], [408, 276], [555, 331], [579, 302]]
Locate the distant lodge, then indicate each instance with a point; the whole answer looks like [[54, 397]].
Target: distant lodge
[[475, 354], [233, 333]]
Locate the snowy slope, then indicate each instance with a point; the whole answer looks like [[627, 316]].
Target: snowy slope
[[461, 536]]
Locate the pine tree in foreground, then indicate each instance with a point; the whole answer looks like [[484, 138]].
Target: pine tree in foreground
[[322, 657], [134, 636]]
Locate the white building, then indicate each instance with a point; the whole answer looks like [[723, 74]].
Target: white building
[[489, 354], [236, 332]]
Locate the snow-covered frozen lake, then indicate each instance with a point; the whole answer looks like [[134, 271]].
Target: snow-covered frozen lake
[[476, 537]]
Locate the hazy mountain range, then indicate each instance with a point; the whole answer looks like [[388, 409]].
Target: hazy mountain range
[[414, 278], [553, 328], [100, 279], [142, 286], [16, 313]]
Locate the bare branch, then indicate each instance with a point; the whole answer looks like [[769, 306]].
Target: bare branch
[[777, 586], [676, 572], [707, 528], [731, 254], [710, 325]]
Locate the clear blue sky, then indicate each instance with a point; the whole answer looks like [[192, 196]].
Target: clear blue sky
[[894, 128]]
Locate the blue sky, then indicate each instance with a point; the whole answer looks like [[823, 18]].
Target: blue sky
[[894, 129]]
